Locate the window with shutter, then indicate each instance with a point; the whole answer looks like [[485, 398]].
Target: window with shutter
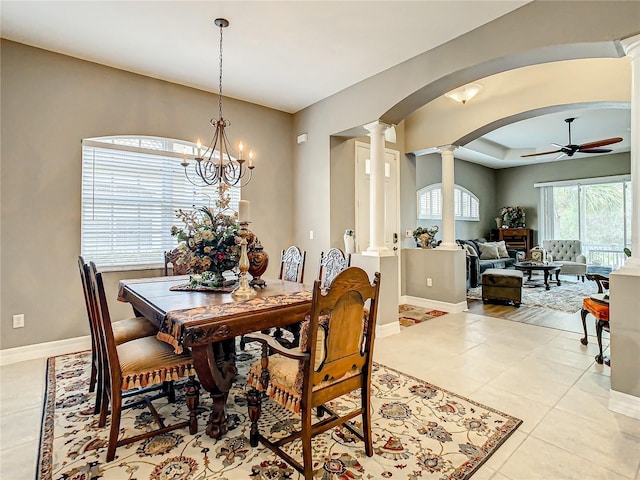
[[131, 189], [466, 204]]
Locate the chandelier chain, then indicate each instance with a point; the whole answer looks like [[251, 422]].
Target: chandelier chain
[[220, 78]]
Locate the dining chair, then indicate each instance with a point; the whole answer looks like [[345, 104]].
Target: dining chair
[[331, 264], [171, 265], [123, 331], [334, 359], [292, 262], [600, 310], [137, 364]]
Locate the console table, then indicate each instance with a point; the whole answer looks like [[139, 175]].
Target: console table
[[516, 238]]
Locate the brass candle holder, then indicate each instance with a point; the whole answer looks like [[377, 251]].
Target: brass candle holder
[[244, 291]]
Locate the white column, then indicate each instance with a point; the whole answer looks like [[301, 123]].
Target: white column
[[448, 213], [376, 187], [632, 49]]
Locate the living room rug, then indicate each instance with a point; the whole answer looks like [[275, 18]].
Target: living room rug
[[410, 315], [419, 431], [566, 298]]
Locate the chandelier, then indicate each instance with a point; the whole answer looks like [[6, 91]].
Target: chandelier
[[218, 164]]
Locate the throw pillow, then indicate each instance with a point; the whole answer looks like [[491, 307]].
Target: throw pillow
[[502, 248], [488, 251], [470, 250]]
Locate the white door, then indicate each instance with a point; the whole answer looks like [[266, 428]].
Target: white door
[[391, 192]]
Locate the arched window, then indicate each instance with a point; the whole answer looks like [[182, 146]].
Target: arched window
[[466, 204], [131, 188]]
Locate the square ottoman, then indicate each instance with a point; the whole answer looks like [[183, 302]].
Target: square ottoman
[[502, 285]]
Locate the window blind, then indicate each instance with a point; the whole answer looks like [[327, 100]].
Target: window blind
[[466, 204], [130, 194]]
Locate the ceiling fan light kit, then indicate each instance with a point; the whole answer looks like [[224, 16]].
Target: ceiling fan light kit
[[570, 148]]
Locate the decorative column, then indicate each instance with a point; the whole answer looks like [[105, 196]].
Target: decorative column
[[632, 49], [448, 213], [376, 187]]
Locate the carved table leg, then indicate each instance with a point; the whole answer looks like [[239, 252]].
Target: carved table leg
[[215, 365], [558, 278], [254, 405], [546, 279]]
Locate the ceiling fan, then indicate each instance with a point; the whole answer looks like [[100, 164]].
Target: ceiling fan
[[570, 149]]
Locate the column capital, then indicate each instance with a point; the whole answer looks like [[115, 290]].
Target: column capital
[[631, 46], [447, 148], [377, 127]]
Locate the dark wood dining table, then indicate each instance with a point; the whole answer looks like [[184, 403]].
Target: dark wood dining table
[[207, 323]]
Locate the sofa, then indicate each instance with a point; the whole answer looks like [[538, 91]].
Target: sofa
[[567, 253], [481, 257]]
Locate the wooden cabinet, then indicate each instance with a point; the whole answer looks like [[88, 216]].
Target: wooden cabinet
[[516, 238]]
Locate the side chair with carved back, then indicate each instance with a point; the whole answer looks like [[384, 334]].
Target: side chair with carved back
[[123, 331], [334, 358], [134, 365], [331, 264], [171, 264], [600, 310]]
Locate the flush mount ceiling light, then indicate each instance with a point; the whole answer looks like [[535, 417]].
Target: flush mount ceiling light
[[465, 93]]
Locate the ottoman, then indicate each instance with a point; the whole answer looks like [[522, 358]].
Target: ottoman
[[502, 285]]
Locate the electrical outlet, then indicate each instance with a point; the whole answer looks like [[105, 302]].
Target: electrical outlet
[[18, 320], [408, 233], [429, 282], [310, 234]]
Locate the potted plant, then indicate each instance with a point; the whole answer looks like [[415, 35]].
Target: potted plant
[[425, 236]]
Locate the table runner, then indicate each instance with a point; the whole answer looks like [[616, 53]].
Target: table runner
[[172, 329]]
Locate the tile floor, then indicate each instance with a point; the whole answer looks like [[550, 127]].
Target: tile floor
[[541, 375]]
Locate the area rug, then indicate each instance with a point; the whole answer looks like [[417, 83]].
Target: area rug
[[566, 298], [409, 315], [419, 431]]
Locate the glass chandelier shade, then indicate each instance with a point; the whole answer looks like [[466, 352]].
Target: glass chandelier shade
[[219, 164]]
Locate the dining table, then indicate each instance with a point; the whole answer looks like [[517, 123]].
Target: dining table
[[206, 322]]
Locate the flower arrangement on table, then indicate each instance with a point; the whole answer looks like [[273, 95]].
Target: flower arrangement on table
[[512, 216], [209, 241], [425, 236]]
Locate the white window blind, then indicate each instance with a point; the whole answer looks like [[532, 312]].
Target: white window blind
[[466, 204], [131, 188]]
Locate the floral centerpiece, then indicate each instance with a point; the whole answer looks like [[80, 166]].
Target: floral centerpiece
[[209, 241], [512, 216], [425, 236]]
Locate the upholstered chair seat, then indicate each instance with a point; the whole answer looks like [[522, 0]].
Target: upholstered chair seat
[[132, 328]]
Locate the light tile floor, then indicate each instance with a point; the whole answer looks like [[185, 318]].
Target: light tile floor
[[541, 375]]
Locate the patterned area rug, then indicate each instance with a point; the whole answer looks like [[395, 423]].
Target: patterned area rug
[[566, 298], [410, 315], [419, 431]]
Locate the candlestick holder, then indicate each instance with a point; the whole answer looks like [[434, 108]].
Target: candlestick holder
[[244, 291]]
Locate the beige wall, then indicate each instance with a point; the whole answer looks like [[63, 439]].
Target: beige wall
[[49, 104]]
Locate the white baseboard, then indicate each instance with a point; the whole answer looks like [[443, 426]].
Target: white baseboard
[[434, 304], [624, 403], [44, 350], [387, 329]]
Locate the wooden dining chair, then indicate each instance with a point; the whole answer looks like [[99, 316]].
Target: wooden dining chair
[[334, 359], [171, 265], [123, 331], [600, 310], [134, 365], [292, 262], [331, 264]]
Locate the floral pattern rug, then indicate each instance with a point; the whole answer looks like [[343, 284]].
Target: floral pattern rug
[[420, 431], [409, 315], [566, 298]]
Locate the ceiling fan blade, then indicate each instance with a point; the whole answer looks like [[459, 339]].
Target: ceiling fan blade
[[541, 153], [562, 155], [599, 143], [595, 150]]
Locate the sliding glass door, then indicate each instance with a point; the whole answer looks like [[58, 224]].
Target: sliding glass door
[[594, 211]]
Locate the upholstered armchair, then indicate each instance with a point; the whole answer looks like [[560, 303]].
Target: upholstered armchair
[[567, 253]]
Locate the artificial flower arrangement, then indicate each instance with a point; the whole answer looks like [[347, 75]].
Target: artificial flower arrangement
[[512, 216], [425, 236], [209, 241]]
